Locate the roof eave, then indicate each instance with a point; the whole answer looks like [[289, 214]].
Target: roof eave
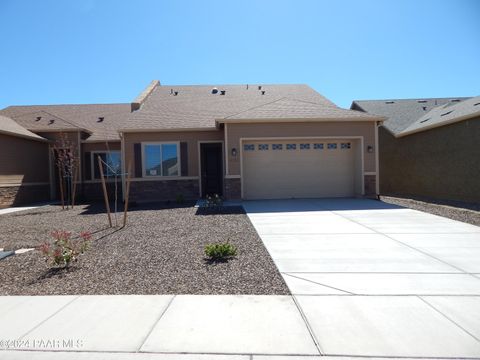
[[436, 125], [329, 119], [39, 138], [124, 131]]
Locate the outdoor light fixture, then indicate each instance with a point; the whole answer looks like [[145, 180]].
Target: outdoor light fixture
[[370, 148], [234, 152]]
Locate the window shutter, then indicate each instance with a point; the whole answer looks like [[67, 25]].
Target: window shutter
[[137, 155], [87, 165], [184, 158]]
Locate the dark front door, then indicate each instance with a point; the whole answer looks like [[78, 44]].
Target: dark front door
[[212, 169]]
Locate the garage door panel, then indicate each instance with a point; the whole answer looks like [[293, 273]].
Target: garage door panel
[[271, 174]]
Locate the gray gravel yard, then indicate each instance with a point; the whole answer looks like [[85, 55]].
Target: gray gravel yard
[[468, 213], [159, 252]]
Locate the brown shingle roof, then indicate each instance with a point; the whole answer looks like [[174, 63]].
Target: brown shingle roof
[[83, 117], [10, 127], [196, 107]]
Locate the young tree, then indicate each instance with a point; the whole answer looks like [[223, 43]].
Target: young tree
[[67, 163]]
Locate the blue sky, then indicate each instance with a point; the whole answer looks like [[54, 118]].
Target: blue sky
[[90, 51]]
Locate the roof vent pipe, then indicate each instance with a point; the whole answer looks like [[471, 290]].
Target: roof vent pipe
[[214, 90], [39, 118], [263, 92], [171, 91], [222, 92], [100, 119], [51, 122], [424, 108], [175, 93], [259, 87]]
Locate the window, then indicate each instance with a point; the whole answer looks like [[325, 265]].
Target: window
[[345, 146], [291, 146], [262, 146], [277, 146], [111, 162], [304, 146], [318, 146], [331, 146], [161, 159], [248, 147]]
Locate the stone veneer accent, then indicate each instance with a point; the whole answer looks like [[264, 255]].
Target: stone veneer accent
[[164, 190], [233, 188], [370, 185], [94, 191], [23, 194]]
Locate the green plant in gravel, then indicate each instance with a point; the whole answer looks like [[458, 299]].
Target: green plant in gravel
[[180, 199], [220, 251], [213, 200], [64, 249]]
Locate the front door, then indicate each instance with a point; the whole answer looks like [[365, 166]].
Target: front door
[[212, 169]]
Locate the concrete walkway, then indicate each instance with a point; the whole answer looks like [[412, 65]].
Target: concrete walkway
[[10, 210], [372, 279]]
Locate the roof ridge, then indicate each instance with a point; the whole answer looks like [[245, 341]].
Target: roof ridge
[[255, 107], [88, 104], [417, 98]]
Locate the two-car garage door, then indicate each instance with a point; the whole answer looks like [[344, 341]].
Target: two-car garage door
[[283, 169]]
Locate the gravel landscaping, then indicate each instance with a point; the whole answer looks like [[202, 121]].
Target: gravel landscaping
[[468, 213], [159, 252]]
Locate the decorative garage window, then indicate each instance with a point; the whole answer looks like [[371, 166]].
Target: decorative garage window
[[291, 146], [111, 163], [161, 159], [304, 146], [318, 146], [277, 146], [262, 146], [248, 147], [345, 146], [331, 146]]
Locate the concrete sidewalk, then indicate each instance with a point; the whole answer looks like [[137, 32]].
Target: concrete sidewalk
[[374, 279], [230, 324]]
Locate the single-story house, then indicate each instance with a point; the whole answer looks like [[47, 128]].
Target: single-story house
[[238, 141], [429, 147]]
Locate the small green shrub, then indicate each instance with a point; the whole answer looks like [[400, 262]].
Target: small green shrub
[[220, 251], [180, 199]]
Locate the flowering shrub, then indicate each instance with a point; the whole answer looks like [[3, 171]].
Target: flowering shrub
[[63, 249], [213, 201]]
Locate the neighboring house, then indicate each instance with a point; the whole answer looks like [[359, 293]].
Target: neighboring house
[[429, 147], [239, 141], [24, 165]]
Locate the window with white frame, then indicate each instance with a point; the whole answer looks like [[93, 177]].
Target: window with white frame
[[111, 163], [161, 159]]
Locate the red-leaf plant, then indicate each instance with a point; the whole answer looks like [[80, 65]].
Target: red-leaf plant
[[64, 249]]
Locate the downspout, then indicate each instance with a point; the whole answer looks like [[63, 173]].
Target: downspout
[[122, 163], [377, 160]]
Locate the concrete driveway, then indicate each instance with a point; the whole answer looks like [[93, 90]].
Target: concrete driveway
[[373, 279]]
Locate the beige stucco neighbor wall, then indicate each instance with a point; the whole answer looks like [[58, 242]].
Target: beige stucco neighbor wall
[[234, 132], [24, 171], [442, 163], [23, 160], [191, 137]]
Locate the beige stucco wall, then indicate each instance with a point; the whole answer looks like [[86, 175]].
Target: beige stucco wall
[[101, 146], [234, 132], [441, 163], [191, 137], [23, 161]]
